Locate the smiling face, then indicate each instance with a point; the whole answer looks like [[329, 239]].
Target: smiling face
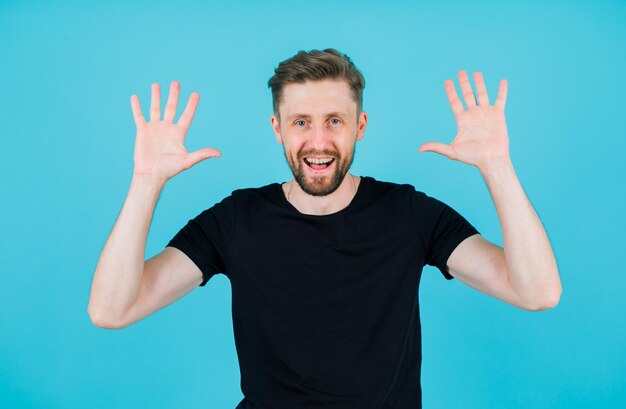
[[318, 128]]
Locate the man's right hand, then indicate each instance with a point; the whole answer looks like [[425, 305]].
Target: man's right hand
[[125, 287], [159, 146]]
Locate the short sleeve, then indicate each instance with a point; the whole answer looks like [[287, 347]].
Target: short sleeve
[[205, 238], [442, 229]]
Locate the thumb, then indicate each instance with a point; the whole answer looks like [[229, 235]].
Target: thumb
[[200, 155], [440, 148]]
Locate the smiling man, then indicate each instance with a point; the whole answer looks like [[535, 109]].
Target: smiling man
[[325, 268], [321, 122]]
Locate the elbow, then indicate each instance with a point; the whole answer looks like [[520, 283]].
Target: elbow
[[541, 306], [549, 300], [101, 321]]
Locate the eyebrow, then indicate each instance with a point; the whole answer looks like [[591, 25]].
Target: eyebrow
[[335, 113]]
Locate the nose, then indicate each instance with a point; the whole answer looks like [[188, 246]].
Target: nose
[[320, 137]]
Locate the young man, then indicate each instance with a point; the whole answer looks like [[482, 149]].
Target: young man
[[324, 269]]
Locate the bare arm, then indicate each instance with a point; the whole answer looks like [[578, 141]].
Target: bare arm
[[121, 273], [523, 273]]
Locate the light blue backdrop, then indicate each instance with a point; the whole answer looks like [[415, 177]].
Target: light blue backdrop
[[67, 71]]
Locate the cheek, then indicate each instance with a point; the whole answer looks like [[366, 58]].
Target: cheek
[[292, 150], [348, 143]]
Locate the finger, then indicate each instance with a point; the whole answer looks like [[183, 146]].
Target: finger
[[439, 148], [155, 103], [502, 92], [137, 115], [172, 102], [200, 155], [453, 98], [481, 89], [466, 89], [190, 110]]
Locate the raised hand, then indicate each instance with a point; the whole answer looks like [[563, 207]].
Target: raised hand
[[159, 145], [482, 134]]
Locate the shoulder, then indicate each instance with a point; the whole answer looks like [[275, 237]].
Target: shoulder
[[255, 191], [420, 202], [379, 188], [387, 198], [251, 198], [261, 193], [228, 209]]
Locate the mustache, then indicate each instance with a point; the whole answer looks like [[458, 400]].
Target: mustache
[[312, 152]]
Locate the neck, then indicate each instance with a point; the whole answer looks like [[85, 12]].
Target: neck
[[322, 205]]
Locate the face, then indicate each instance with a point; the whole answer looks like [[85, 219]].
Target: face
[[318, 129]]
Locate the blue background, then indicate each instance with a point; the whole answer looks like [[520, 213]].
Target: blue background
[[67, 71]]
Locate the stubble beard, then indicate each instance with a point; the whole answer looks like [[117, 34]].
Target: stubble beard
[[320, 185]]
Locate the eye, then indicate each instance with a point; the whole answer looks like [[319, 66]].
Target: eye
[[300, 123], [335, 121]]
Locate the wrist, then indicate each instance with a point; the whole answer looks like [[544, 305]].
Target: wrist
[[148, 181], [496, 165]]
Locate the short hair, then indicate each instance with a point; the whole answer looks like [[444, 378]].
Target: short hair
[[316, 65]]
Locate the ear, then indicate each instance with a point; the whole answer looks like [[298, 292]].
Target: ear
[[276, 127], [361, 126]]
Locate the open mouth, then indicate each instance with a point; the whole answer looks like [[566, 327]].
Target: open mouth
[[319, 163]]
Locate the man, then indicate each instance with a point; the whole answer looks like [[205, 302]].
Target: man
[[324, 269]]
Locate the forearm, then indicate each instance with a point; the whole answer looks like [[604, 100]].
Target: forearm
[[119, 271], [530, 262]]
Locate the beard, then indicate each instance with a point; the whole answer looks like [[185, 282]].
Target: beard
[[321, 185]]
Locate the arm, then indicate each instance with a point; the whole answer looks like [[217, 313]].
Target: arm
[[523, 273], [122, 278]]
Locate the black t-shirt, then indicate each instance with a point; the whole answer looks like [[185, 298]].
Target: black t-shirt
[[325, 308]]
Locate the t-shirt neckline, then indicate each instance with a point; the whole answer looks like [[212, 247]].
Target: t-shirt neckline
[[355, 200]]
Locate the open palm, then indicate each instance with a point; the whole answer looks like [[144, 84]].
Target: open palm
[[159, 146], [482, 133]]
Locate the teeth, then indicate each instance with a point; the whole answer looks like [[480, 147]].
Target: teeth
[[319, 161]]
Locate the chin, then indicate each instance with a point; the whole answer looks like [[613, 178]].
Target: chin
[[323, 184], [319, 185]]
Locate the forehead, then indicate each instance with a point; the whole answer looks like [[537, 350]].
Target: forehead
[[317, 97]]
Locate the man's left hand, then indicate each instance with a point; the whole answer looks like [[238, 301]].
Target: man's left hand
[[482, 135]]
